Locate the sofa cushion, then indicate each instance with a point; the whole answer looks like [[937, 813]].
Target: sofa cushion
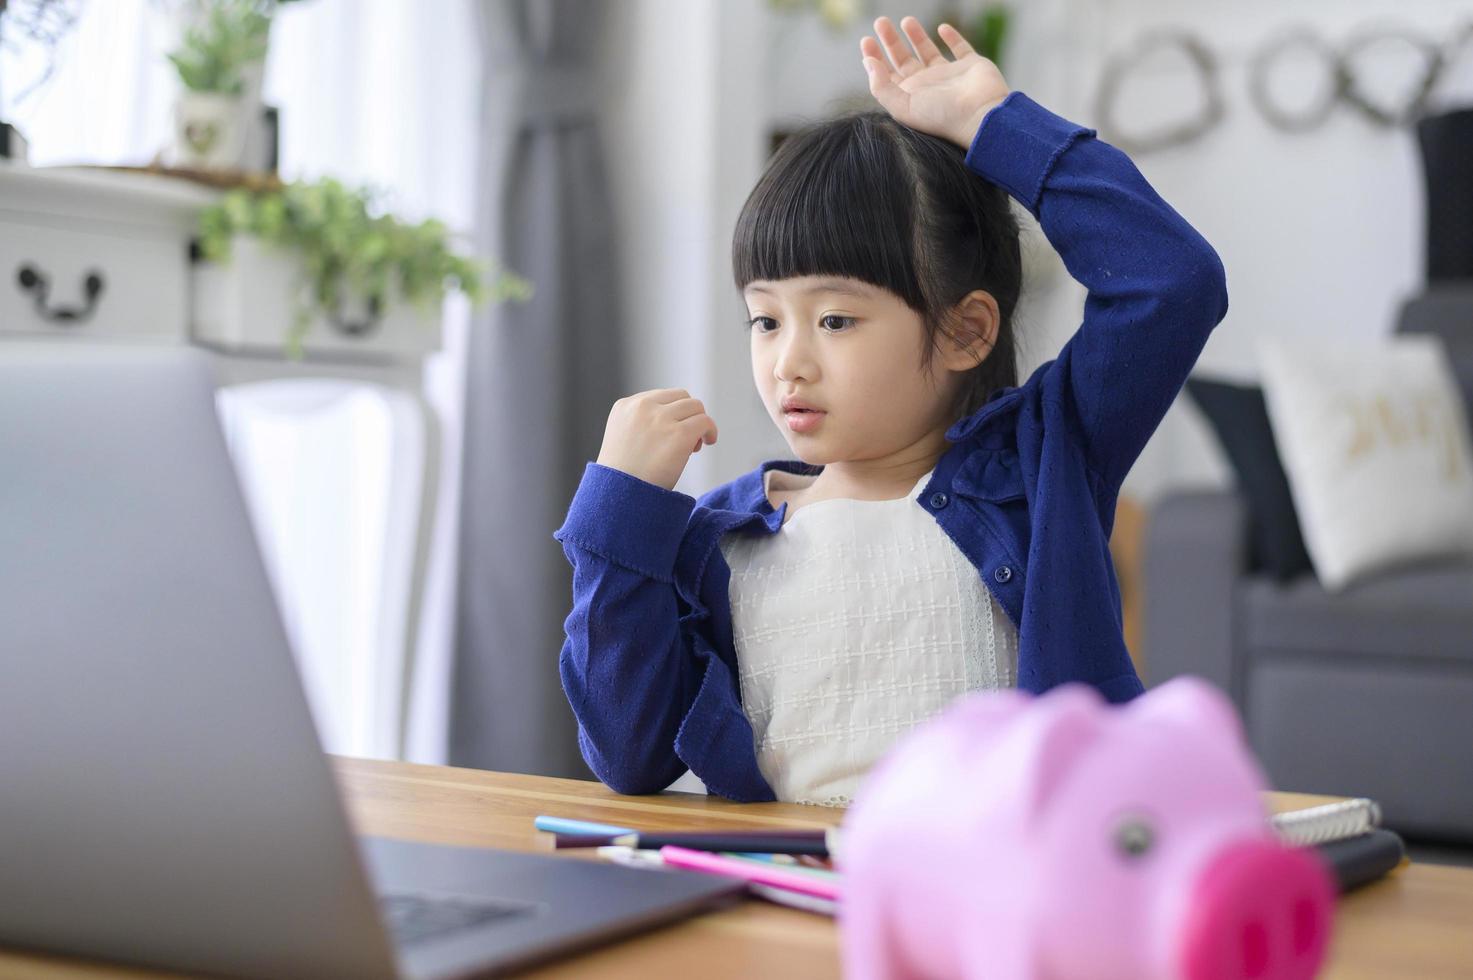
[[1239, 419], [1446, 310], [1421, 612], [1375, 440]]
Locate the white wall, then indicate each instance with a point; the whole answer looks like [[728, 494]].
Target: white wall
[[1321, 233]]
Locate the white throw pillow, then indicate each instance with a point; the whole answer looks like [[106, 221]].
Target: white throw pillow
[[1374, 439]]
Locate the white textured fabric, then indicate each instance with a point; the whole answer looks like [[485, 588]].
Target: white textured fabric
[[856, 621]]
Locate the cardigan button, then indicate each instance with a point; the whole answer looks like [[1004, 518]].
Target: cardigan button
[[1003, 574], [939, 500]]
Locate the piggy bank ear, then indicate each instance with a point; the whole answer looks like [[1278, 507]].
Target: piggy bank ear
[[1191, 702], [1060, 726]]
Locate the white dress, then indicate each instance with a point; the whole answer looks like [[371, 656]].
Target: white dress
[[856, 621]]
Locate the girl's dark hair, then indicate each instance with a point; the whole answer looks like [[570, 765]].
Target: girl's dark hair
[[865, 197]]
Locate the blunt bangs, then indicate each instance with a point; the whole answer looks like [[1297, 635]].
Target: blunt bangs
[[835, 200], [863, 197]]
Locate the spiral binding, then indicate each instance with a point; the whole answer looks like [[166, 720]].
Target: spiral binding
[[1333, 821]]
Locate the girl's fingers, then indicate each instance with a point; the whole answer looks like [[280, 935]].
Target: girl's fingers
[[925, 47], [685, 408], [905, 62], [884, 87], [954, 40], [870, 48], [703, 427]]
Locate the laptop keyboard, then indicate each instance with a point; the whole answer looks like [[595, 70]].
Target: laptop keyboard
[[417, 918]]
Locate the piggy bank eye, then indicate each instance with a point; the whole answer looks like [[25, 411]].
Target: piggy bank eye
[[1134, 837]]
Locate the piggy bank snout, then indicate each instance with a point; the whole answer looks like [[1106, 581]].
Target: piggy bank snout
[[1259, 911]]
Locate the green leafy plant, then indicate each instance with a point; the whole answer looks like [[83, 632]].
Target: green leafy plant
[[232, 35], [348, 247]]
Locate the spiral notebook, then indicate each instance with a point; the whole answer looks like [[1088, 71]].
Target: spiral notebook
[[1331, 822], [1349, 836]]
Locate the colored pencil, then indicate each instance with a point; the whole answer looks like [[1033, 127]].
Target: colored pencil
[[749, 871], [622, 854], [750, 843], [778, 896], [563, 825]]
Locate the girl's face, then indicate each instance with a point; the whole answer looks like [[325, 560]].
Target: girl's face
[[853, 352]]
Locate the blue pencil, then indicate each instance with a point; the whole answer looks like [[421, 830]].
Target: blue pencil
[[562, 825]]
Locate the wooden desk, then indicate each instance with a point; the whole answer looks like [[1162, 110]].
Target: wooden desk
[[1416, 923]]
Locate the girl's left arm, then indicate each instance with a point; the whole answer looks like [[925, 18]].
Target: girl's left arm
[[1156, 288]]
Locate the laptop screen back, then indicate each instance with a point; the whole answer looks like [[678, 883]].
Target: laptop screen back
[[162, 795]]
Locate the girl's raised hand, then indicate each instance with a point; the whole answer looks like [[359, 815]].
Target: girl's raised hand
[[653, 434], [926, 91]]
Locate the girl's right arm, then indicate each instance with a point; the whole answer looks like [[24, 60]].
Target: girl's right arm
[[625, 665]]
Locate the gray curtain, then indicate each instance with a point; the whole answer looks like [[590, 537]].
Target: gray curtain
[[542, 376]]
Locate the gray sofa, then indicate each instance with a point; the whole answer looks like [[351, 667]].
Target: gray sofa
[[1368, 692]]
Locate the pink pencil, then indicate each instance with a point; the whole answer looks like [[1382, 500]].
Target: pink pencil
[[681, 857]]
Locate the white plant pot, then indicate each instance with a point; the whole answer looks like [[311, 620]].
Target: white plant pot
[[209, 130], [250, 303]]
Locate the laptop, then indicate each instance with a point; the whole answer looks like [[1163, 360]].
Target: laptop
[[164, 800]]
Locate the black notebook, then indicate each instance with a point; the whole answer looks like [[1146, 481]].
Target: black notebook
[[1348, 836], [1359, 860]]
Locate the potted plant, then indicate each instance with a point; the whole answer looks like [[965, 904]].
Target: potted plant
[[320, 265], [223, 41]]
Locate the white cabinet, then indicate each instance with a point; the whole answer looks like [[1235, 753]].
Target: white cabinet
[[95, 255], [90, 253]]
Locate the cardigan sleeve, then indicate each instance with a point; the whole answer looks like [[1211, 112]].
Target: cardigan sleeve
[[1156, 288], [625, 664]]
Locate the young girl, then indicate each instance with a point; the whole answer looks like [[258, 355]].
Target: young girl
[[944, 529]]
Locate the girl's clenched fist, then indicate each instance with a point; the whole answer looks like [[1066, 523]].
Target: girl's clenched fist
[[653, 434]]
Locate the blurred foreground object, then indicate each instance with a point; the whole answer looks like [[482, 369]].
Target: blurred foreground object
[[1058, 836]]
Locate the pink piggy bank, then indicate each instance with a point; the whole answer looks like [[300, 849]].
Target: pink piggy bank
[[1062, 837]]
